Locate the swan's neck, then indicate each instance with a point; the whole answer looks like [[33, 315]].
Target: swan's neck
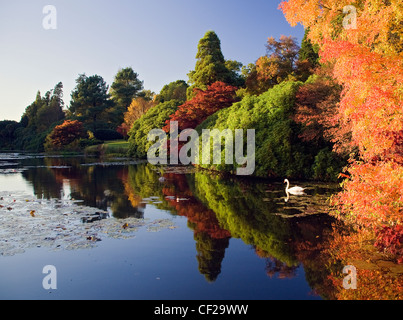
[[288, 185]]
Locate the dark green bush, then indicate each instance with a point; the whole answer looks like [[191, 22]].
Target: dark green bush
[[327, 165]]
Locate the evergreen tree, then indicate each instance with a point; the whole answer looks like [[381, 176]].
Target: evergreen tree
[[51, 110], [124, 89], [308, 58], [211, 65], [309, 51], [28, 119], [90, 100], [39, 119], [44, 111]]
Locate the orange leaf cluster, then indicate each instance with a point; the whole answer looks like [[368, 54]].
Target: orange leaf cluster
[[66, 133], [368, 63]]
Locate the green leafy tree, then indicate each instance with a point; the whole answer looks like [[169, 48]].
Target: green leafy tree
[[8, 134], [51, 110], [211, 65], [124, 89], [308, 58], [279, 151], [155, 118], [147, 95], [236, 77], [173, 91], [39, 119], [90, 101]]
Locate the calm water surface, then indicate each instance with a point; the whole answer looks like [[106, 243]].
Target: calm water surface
[[203, 237]]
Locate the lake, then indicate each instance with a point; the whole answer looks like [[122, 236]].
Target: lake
[[114, 230]]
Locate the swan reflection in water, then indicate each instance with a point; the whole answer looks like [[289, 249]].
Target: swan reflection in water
[[297, 191]]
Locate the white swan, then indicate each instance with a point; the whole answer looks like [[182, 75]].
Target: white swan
[[294, 190]]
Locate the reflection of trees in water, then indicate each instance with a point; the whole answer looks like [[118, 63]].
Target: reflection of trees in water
[[379, 277], [96, 186], [47, 175], [44, 183], [274, 266], [240, 209], [216, 209], [286, 235], [142, 183], [210, 254], [103, 188], [211, 239]]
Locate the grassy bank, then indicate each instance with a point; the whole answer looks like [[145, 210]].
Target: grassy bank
[[109, 148]]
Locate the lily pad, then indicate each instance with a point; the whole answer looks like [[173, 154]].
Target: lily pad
[[61, 224]]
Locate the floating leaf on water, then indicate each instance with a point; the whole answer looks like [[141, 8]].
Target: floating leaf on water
[[60, 227], [93, 238], [32, 213]]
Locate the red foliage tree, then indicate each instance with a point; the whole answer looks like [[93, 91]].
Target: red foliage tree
[[317, 109], [65, 134], [206, 102]]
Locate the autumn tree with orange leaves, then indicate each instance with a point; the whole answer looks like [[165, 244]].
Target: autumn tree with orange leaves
[[365, 43], [65, 136], [137, 108], [278, 65]]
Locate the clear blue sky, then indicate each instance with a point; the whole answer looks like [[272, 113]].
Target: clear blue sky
[[157, 38]]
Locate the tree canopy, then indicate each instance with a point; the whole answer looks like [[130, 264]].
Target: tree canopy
[[211, 65], [90, 100], [173, 91], [205, 103], [125, 87], [279, 64], [39, 118], [155, 118]]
